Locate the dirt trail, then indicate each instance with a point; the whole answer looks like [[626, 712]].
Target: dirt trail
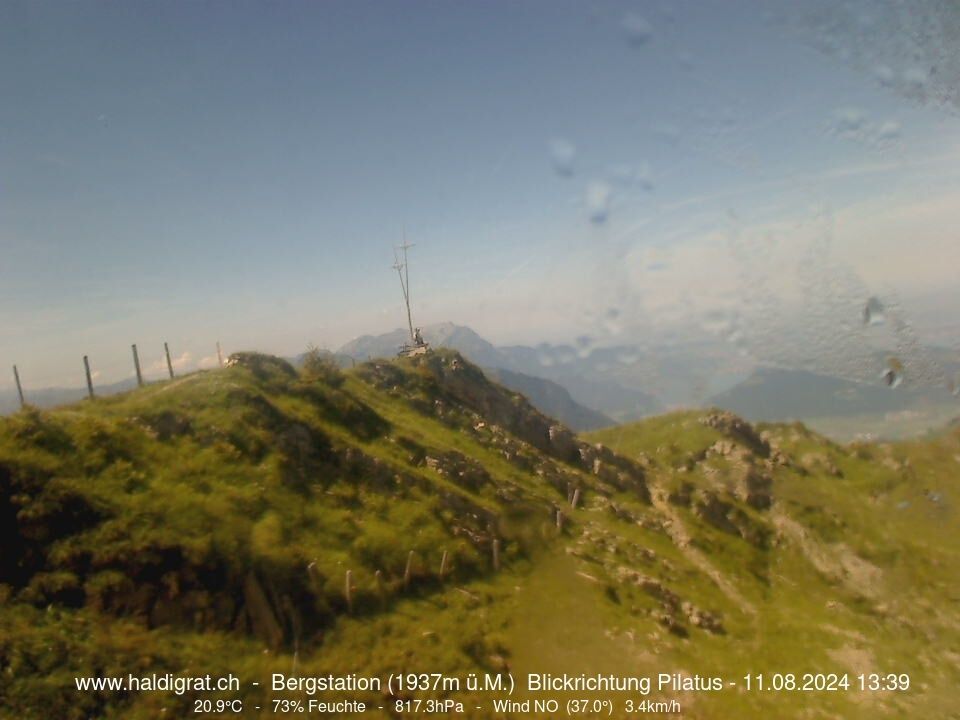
[[678, 533], [837, 561]]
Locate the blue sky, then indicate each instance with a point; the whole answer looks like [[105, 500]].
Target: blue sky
[[239, 171]]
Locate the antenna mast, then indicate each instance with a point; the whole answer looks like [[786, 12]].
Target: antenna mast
[[403, 271]]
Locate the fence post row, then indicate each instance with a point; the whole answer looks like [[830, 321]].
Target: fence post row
[[89, 375]]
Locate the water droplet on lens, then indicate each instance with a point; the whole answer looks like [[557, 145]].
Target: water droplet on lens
[[638, 30], [893, 375], [848, 121], [612, 326], [562, 155], [566, 355], [874, 312], [598, 201], [915, 82], [884, 74], [888, 132]]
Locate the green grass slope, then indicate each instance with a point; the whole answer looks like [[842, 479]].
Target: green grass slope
[[214, 523], [840, 558]]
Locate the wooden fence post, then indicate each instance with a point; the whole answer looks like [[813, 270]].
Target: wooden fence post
[[86, 367], [408, 571], [16, 376], [136, 365], [575, 499], [443, 566], [219, 355], [166, 350], [496, 553]]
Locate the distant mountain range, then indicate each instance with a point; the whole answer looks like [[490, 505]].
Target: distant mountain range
[[556, 379], [448, 335], [774, 394], [588, 387], [552, 399], [625, 383], [617, 381]]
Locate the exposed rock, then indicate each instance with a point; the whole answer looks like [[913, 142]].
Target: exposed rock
[[716, 512], [621, 513], [653, 587], [702, 619], [722, 448], [820, 462], [738, 429], [729, 518], [460, 469], [563, 443], [681, 496], [672, 623], [754, 488], [262, 366]]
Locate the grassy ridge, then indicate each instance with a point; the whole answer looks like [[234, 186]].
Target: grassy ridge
[[207, 525], [860, 568]]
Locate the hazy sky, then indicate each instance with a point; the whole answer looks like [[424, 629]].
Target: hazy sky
[[239, 171]]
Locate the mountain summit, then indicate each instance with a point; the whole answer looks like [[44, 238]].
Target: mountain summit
[[444, 335], [571, 392]]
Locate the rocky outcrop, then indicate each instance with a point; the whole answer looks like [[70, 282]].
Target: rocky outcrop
[[458, 393], [737, 429], [673, 609], [820, 462], [725, 516], [564, 443], [263, 367], [459, 469], [754, 488]]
